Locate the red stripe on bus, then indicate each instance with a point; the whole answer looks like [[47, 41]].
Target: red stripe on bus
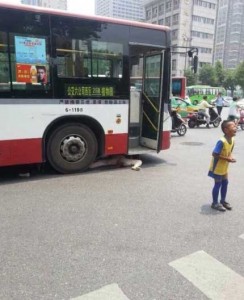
[[18, 152], [29, 151], [165, 138], [116, 144]]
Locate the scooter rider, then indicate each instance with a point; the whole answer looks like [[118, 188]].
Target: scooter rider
[[202, 108]]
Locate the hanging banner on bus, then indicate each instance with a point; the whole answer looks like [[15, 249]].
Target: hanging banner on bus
[[30, 50], [78, 90]]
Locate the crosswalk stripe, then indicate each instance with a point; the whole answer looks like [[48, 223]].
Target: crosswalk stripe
[[108, 292], [213, 278], [241, 236]]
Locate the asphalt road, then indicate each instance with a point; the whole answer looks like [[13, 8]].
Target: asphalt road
[[116, 234]]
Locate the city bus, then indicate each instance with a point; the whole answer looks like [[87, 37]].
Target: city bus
[[65, 87], [179, 87], [196, 92]]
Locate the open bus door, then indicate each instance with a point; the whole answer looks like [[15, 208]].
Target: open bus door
[[152, 101]]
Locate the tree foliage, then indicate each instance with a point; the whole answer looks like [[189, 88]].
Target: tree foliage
[[216, 75], [219, 73], [207, 75], [230, 81], [191, 78], [240, 75]]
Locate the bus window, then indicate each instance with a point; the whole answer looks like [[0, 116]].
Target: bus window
[[4, 63], [80, 55], [72, 57], [107, 59]]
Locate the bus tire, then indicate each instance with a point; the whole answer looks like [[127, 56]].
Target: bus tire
[[195, 102], [71, 148]]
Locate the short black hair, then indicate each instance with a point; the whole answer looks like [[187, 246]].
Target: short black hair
[[205, 97], [41, 68], [225, 124], [235, 98]]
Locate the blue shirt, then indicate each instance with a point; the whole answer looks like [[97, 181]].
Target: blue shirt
[[219, 101]]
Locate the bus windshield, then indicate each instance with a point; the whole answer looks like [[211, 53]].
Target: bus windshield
[[179, 87]]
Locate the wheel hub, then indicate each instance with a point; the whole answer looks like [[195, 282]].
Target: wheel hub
[[73, 148]]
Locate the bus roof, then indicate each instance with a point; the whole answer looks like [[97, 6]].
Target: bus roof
[[51, 11]]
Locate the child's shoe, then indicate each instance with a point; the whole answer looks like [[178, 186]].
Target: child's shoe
[[218, 207], [226, 205]]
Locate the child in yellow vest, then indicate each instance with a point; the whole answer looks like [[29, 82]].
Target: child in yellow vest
[[221, 157]]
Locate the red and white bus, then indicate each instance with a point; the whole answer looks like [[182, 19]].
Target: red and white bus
[[65, 87], [179, 87]]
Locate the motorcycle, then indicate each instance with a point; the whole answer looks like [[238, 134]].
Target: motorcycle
[[197, 118], [178, 124]]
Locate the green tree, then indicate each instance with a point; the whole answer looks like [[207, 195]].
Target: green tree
[[207, 75], [240, 75], [191, 78], [219, 72], [230, 81]]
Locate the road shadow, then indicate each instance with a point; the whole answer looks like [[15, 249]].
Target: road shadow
[[207, 210], [149, 161], [11, 175]]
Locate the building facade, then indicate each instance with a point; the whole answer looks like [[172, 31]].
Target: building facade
[[122, 9], [193, 25], [58, 4], [229, 39]]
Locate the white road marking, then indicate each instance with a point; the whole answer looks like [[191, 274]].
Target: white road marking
[[213, 278], [241, 236], [108, 292]]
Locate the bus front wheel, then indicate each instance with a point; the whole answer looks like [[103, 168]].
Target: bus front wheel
[[71, 148]]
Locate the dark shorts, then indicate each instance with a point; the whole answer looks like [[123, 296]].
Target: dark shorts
[[216, 176]]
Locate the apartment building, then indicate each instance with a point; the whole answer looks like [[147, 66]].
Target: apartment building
[[122, 9], [193, 25], [229, 39], [58, 4]]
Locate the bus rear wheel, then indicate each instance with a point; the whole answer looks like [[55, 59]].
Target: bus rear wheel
[[71, 148]]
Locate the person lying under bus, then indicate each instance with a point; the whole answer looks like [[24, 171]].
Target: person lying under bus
[[119, 161]]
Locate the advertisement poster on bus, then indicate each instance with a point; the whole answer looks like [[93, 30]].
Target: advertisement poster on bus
[[30, 59]]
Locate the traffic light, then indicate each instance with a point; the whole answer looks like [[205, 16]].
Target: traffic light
[[195, 63], [190, 53]]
